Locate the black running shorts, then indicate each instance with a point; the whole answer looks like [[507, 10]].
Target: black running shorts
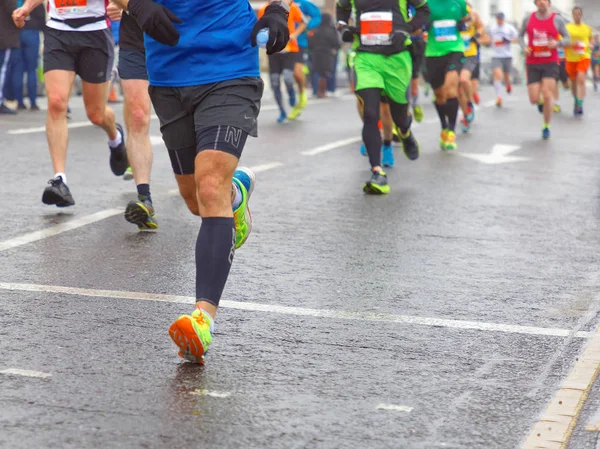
[[132, 65], [90, 54], [283, 61], [217, 116], [438, 66], [563, 76], [537, 72]]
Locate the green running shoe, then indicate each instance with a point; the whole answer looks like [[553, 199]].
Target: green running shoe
[[418, 113], [141, 213], [193, 335], [378, 184], [128, 175], [245, 179]]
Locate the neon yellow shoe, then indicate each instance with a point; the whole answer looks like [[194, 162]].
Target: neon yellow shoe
[[192, 334], [443, 138], [450, 141], [378, 184], [418, 113], [295, 112], [303, 99], [245, 179]]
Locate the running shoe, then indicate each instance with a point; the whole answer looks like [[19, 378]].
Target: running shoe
[[295, 112], [387, 158], [470, 115], [193, 335], [128, 175], [378, 184], [6, 110], [418, 113], [303, 99], [34, 107], [21, 107], [410, 146], [57, 193], [498, 102], [508, 88], [292, 97], [69, 112], [476, 98], [363, 150], [465, 125], [141, 213], [245, 179], [282, 117], [556, 108], [118, 155], [546, 132], [450, 141], [541, 107], [443, 137]]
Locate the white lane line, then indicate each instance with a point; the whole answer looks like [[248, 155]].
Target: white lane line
[[300, 311], [42, 129], [25, 372], [332, 146], [213, 394], [554, 428], [265, 167], [58, 229], [394, 408]]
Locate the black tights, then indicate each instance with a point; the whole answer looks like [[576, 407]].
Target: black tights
[[370, 100]]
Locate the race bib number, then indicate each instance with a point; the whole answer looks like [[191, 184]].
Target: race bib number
[[499, 41], [71, 6], [466, 37], [376, 28], [444, 30], [579, 48], [539, 45]]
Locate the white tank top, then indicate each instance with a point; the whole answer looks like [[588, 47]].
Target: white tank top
[[77, 9]]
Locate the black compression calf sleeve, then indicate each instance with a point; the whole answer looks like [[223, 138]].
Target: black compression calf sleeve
[[452, 113], [401, 117], [441, 110], [214, 253], [370, 99]]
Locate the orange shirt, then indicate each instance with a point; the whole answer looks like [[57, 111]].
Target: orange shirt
[[294, 18]]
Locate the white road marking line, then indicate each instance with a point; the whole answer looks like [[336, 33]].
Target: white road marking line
[[558, 421], [58, 229], [300, 311], [42, 129], [25, 372], [332, 146], [214, 394], [265, 167], [395, 408]]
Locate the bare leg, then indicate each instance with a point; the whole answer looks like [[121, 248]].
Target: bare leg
[[58, 87]]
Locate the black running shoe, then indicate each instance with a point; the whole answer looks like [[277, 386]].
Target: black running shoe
[[57, 193], [141, 213], [6, 110], [118, 156], [410, 146]]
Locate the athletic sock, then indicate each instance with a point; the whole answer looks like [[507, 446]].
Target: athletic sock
[[215, 248], [115, 143], [441, 110], [144, 190], [498, 88], [452, 112], [62, 175], [238, 196]]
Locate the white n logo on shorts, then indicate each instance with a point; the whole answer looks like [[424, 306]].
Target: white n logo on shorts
[[233, 136]]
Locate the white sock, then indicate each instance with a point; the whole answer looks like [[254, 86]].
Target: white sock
[[62, 175], [498, 87], [238, 197], [115, 143]]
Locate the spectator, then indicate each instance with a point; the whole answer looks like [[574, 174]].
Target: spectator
[[9, 40], [324, 44], [25, 60]]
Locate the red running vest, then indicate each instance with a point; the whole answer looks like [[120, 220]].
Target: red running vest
[[539, 33]]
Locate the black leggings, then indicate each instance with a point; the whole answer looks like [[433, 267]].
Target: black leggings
[[370, 100]]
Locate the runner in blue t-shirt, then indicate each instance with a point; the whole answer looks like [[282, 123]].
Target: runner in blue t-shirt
[[206, 89]]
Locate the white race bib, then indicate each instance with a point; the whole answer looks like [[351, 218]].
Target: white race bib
[[376, 28], [71, 6], [579, 48], [444, 30]]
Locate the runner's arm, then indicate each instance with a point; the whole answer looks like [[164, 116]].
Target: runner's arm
[[422, 13], [561, 26], [483, 38], [522, 34], [20, 14], [314, 13]]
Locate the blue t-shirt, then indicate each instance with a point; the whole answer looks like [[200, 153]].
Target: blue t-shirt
[[214, 45]]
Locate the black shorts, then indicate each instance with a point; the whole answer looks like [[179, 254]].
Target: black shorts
[[438, 66], [302, 56], [476, 72], [282, 61], [563, 76], [217, 116], [90, 54], [537, 72], [417, 54], [132, 65]]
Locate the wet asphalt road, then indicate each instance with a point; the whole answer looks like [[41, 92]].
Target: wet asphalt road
[[339, 346]]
